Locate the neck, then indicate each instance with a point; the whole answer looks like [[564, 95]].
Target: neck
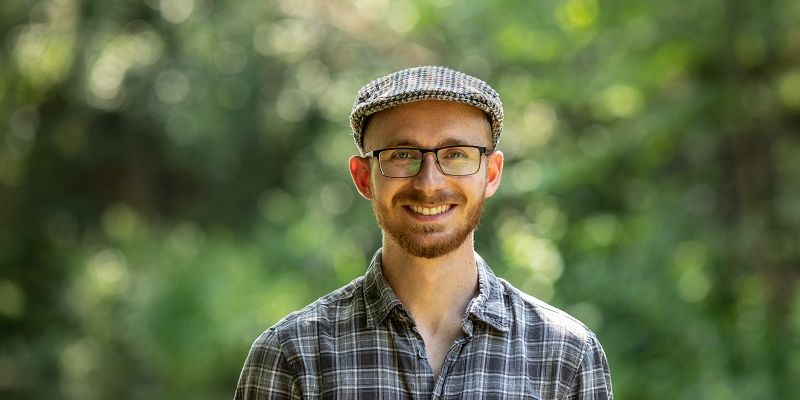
[[435, 291]]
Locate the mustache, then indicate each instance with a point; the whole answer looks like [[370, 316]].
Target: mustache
[[418, 197]]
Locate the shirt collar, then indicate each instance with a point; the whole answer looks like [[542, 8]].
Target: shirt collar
[[379, 297], [488, 306]]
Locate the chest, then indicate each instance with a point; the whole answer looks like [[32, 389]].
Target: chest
[[393, 362]]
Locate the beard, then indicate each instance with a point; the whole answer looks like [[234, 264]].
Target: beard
[[414, 238]]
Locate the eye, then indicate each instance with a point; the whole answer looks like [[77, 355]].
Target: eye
[[401, 154], [455, 154]]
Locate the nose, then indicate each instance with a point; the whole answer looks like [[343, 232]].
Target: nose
[[429, 179]]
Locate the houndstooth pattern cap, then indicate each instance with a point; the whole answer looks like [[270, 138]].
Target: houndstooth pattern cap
[[425, 83]]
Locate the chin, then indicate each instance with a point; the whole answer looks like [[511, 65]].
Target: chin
[[429, 248], [428, 240]]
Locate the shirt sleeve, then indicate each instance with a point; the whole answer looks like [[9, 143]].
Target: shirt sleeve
[[593, 378], [266, 373]]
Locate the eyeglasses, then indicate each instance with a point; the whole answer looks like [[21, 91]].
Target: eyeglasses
[[405, 162]]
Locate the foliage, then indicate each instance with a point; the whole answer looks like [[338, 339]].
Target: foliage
[[173, 180]]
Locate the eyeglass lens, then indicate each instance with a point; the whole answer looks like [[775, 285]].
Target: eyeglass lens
[[401, 163]]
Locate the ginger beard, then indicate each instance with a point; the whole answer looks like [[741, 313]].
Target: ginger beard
[[414, 238]]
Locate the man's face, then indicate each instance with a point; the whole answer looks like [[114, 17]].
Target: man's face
[[430, 214]]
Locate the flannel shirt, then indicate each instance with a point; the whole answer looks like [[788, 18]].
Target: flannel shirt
[[359, 342]]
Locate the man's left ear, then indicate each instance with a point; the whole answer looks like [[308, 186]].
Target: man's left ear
[[494, 170]]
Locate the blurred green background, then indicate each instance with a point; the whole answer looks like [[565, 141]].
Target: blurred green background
[[173, 181]]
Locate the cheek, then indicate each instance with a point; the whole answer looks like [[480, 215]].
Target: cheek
[[375, 181], [380, 186]]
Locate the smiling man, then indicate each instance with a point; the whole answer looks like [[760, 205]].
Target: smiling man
[[429, 319]]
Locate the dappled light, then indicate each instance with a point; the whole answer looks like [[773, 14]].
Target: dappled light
[[174, 180]]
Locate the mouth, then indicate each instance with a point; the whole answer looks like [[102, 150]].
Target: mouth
[[430, 211]]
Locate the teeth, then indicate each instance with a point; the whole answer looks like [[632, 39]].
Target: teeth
[[430, 211]]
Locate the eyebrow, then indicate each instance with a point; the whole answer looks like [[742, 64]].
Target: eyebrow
[[414, 143]]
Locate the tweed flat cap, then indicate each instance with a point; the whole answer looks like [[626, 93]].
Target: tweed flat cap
[[425, 83]]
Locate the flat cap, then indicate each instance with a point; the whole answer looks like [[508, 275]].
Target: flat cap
[[425, 83]]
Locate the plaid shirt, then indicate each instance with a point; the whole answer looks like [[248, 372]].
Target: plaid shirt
[[360, 343]]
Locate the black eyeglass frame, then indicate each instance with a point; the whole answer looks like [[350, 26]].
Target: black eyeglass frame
[[435, 151]]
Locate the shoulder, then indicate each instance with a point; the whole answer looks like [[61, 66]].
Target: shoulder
[[556, 335], [337, 307], [559, 336], [542, 319]]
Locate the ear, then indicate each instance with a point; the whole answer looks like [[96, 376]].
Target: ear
[[360, 171], [494, 170]]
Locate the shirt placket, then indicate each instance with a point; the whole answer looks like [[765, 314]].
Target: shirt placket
[[449, 362], [421, 382], [425, 374]]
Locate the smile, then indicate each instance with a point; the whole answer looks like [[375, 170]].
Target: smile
[[430, 210]]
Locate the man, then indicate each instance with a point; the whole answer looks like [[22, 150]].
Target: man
[[429, 319]]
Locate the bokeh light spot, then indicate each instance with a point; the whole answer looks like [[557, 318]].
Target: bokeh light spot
[[621, 100], [278, 206], [230, 58], [402, 16], [70, 138], [298, 8], [535, 255], [106, 78], [689, 255], [171, 86], [77, 362], [45, 52], [601, 230], [548, 219], [539, 122], [371, 9], [336, 197], [526, 175], [108, 272], [693, 286], [758, 100], [146, 44], [120, 221], [22, 126], [577, 14], [12, 299], [289, 36], [176, 11], [348, 259], [671, 61], [689, 263], [312, 76], [10, 371], [292, 105], [441, 3], [750, 49], [476, 65], [11, 168], [701, 199], [588, 313], [595, 141], [186, 239], [789, 89]]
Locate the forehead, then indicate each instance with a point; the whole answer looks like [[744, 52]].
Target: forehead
[[428, 123]]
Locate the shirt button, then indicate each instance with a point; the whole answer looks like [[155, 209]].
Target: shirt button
[[421, 353]]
